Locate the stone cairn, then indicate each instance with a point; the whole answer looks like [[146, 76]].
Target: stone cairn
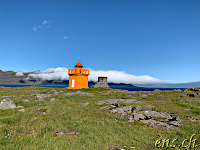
[[102, 83]]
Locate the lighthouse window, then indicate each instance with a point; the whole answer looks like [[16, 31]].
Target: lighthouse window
[[70, 71], [87, 72], [73, 82]]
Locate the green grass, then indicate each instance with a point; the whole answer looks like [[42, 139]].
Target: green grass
[[98, 130]]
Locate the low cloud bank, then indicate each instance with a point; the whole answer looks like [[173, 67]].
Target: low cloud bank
[[122, 77], [61, 73], [21, 72]]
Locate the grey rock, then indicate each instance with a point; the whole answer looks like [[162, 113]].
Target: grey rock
[[85, 104], [106, 93], [39, 99], [158, 101], [192, 89], [66, 107], [175, 123], [53, 90], [186, 109], [191, 118], [160, 96], [52, 100], [117, 110], [177, 90], [124, 110], [155, 124], [150, 94], [42, 96], [127, 109], [69, 94], [143, 95], [160, 115], [22, 110], [136, 116], [157, 90], [114, 101], [178, 119], [192, 95], [109, 107], [7, 103], [20, 106], [140, 107], [56, 93], [78, 93], [129, 101], [42, 111], [115, 148], [84, 93], [182, 95], [109, 101], [26, 100], [5, 96], [156, 119]]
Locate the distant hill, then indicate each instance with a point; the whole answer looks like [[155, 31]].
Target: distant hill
[[10, 78], [172, 85]]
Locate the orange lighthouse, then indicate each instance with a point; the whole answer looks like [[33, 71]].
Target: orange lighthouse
[[78, 77]]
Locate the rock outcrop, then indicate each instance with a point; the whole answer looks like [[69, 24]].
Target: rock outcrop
[[85, 104], [78, 93], [142, 113], [26, 100], [114, 101], [197, 89], [155, 119], [41, 97], [7, 104]]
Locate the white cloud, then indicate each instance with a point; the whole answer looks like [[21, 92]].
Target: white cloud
[[44, 22], [24, 71], [65, 37], [61, 73], [19, 74], [122, 77], [34, 28]]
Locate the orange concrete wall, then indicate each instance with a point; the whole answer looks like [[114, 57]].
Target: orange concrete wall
[[81, 81]]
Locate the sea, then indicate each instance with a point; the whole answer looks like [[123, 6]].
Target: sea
[[129, 88]]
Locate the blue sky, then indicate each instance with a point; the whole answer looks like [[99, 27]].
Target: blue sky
[[142, 37]]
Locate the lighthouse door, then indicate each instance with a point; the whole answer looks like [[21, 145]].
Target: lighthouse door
[[73, 82]]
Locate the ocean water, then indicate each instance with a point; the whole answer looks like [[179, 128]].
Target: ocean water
[[129, 88]]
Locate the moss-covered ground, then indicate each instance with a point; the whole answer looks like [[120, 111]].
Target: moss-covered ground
[[97, 129]]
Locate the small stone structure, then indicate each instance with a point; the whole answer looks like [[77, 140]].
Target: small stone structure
[[102, 83]]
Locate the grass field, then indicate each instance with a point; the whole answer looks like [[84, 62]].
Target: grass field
[[97, 129]]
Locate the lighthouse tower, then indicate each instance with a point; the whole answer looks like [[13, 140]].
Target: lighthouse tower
[[78, 77]]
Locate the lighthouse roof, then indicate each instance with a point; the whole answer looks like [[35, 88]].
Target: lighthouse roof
[[79, 64]]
